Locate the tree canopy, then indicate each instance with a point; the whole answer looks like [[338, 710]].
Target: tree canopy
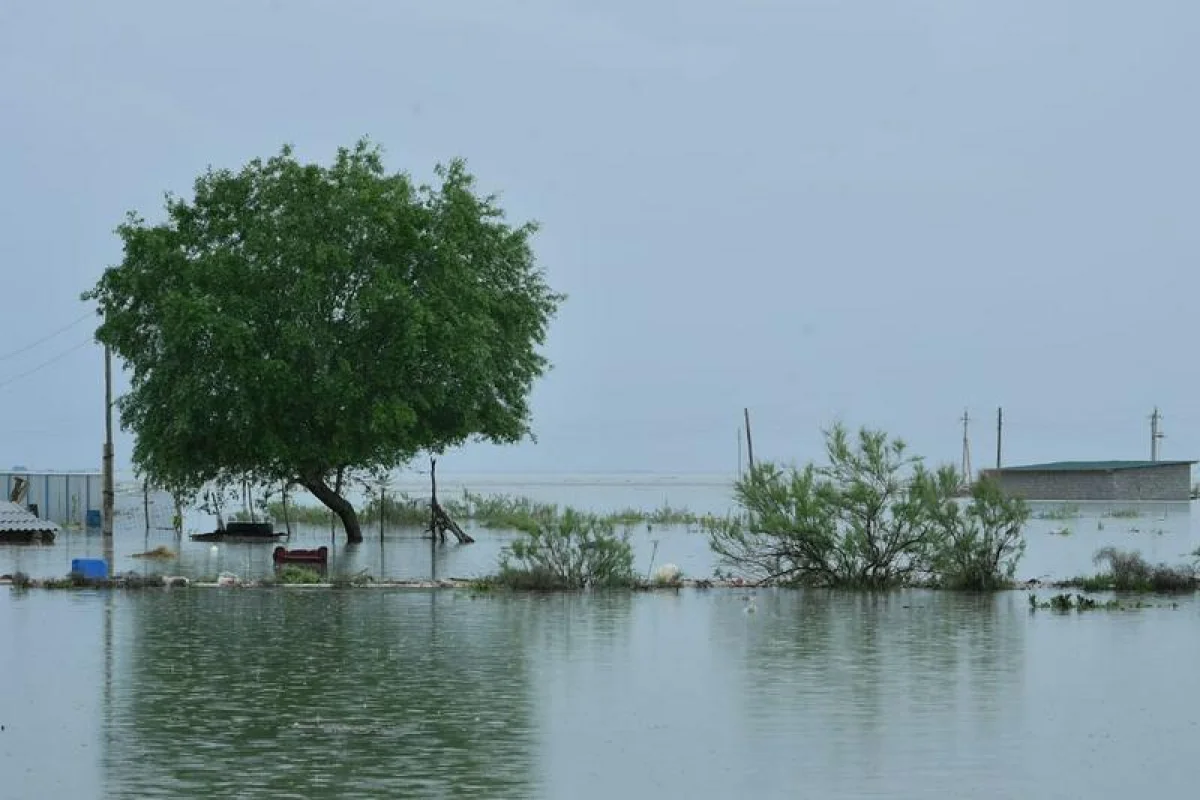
[[293, 321]]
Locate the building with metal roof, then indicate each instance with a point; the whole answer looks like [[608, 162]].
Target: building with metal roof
[[1134, 481], [17, 525]]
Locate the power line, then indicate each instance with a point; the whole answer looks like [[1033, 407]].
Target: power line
[[46, 338], [44, 364]]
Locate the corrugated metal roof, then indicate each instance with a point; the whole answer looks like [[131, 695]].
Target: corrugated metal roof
[[14, 519], [1093, 466]]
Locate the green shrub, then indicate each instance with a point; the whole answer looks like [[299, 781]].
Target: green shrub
[[294, 574], [873, 517], [980, 543], [570, 551]]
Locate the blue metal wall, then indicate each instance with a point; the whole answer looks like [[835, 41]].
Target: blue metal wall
[[61, 497]]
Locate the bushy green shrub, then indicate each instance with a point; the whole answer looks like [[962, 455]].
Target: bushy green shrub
[[872, 517], [569, 551]]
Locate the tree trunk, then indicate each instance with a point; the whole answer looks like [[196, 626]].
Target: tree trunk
[[337, 504]]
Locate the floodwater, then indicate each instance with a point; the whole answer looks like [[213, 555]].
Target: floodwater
[[309, 693], [428, 694], [1162, 532]]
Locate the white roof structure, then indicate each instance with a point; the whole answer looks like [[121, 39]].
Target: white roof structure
[[14, 519]]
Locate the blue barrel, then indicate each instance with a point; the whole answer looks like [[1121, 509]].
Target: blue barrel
[[93, 518], [90, 568]]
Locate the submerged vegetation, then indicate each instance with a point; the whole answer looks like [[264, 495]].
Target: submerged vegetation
[[495, 512], [1067, 602], [1066, 511], [873, 517], [1129, 572]]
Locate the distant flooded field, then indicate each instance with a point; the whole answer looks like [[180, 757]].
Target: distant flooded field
[[1061, 538]]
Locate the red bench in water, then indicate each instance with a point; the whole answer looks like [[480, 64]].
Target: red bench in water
[[318, 557]]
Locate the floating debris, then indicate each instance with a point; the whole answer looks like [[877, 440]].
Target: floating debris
[[160, 552]]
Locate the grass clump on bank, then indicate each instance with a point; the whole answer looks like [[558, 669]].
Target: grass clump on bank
[[1128, 571], [130, 580], [296, 575]]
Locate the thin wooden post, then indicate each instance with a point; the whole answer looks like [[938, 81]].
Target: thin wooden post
[[146, 503], [433, 501], [999, 435], [1155, 434], [966, 450], [287, 517]]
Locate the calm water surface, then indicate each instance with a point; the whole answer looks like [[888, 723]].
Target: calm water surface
[[384, 693]]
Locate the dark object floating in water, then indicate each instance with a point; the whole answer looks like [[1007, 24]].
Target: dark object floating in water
[[318, 557], [241, 532]]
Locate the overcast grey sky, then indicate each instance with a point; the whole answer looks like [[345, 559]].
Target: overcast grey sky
[[882, 212]]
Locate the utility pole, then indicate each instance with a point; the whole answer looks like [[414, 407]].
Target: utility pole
[[966, 451], [1156, 435], [999, 434], [106, 530], [749, 441]]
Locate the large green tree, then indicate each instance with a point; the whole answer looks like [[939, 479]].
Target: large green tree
[[297, 322]]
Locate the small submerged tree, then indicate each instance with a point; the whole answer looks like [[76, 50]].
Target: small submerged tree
[[872, 517], [299, 323]]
